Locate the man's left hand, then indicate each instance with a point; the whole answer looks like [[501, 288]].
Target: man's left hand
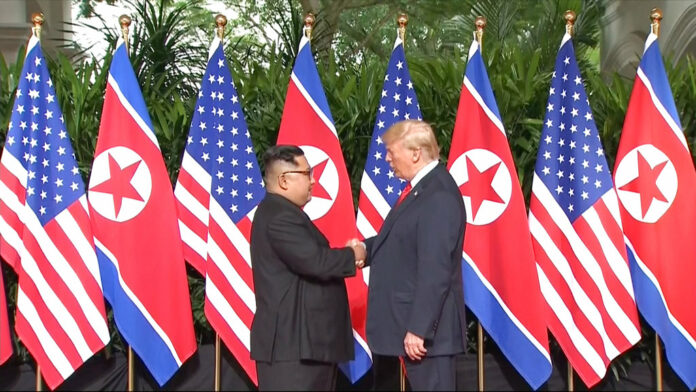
[[414, 346]]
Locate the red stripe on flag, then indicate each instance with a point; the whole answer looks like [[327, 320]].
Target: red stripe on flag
[[229, 249], [63, 294], [370, 212], [193, 187], [50, 374], [231, 340], [229, 293], [50, 323], [576, 359], [244, 225]]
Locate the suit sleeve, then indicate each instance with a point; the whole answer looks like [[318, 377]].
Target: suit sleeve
[[368, 249], [438, 234], [294, 243]]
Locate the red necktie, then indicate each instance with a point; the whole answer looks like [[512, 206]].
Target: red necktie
[[403, 194]]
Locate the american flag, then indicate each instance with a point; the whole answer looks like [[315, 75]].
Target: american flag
[[656, 184], [60, 306], [501, 286], [218, 189], [379, 187], [576, 230]]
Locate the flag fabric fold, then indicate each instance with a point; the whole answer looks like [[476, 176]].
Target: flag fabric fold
[[135, 229], [576, 231], [46, 234], [307, 123], [217, 192], [656, 185], [501, 285]]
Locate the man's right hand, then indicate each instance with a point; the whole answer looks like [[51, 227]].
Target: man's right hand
[[359, 250]]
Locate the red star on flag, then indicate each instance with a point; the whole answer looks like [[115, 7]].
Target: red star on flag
[[645, 185], [318, 190], [478, 187], [119, 184]]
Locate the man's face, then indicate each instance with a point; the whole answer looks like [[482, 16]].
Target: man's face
[[299, 182], [400, 159]]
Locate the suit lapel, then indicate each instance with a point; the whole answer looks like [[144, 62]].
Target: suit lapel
[[396, 211]]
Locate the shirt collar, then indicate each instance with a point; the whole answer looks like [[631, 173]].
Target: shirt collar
[[422, 172]]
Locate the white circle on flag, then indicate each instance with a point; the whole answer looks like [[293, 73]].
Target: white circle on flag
[[663, 186], [481, 210], [327, 180], [121, 195]]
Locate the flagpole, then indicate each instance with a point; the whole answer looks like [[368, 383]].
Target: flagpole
[[656, 17], [480, 24], [131, 380], [125, 21], [37, 19], [569, 16], [402, 22], [220, 23]]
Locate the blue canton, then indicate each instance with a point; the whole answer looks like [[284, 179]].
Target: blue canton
[[219, 141], [37, 138], [571, 159], [398, 102]]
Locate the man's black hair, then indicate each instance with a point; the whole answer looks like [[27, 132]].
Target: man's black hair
[[281, 152]]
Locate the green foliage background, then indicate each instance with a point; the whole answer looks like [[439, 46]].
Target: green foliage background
[[352, 42]]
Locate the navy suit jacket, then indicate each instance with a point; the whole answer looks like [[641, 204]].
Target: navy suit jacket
[[415, 270]]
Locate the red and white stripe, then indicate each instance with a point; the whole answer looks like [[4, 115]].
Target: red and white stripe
[[60, 307], [221, 248], [585, 280]]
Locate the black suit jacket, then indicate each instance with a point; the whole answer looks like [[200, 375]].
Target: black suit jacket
[[415, 270], [301, 299]]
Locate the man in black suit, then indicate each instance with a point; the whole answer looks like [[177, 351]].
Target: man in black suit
[[415, 301], [301, 328]]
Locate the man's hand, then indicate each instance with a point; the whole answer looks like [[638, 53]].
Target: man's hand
[[359, 250], [414, 347]]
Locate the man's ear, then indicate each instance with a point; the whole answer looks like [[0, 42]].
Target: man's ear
[[282, 182], [416, 154]]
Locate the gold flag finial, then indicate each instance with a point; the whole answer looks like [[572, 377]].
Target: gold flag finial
[[37, 20], [309, 24], [480, 24], [569, 17], [220, 23], [124, 21], [655, 17], [402, 21]]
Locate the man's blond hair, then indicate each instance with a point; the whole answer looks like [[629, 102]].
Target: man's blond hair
[[414, 134]]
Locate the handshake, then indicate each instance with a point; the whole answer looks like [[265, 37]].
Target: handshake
[[359, 250]]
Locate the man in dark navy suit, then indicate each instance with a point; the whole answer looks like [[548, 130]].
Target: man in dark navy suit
[[415, 302], [301, 328]]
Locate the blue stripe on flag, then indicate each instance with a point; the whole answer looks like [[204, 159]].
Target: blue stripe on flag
[[122, 72], [357, 368], [306, 72], [532, 364], [680, 353], [478, 76], [654, 69], [133, 325]]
